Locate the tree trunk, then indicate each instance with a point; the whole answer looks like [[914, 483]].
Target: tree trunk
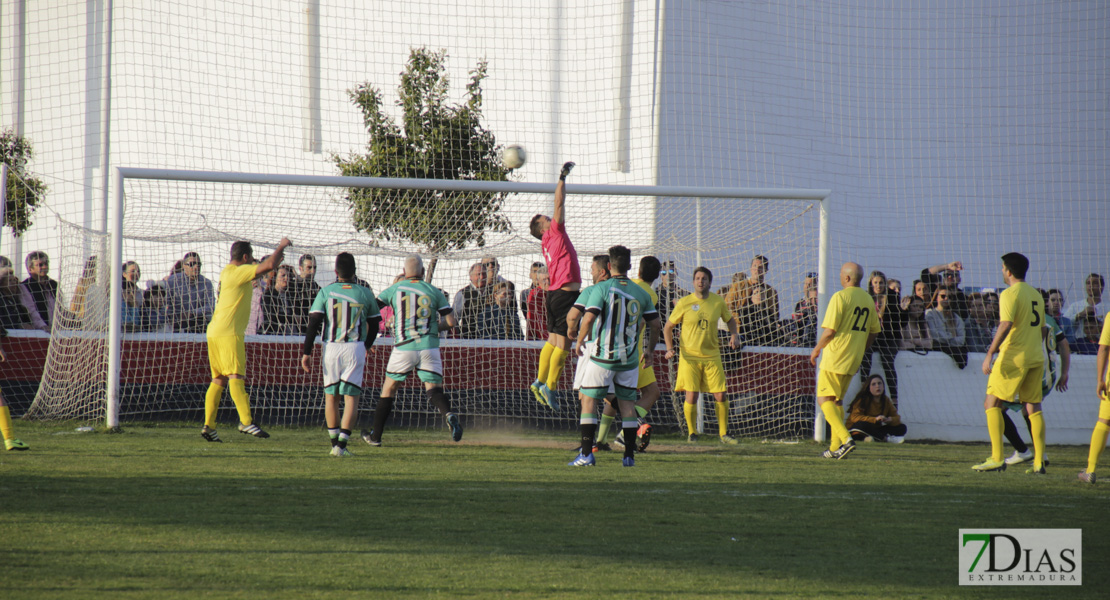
[[430, 271]]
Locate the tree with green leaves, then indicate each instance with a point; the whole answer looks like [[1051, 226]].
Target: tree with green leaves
[[435, 140], [25, 191]]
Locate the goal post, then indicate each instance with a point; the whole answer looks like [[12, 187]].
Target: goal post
[[689, 226]]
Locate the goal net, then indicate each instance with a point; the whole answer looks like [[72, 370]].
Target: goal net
[[178, 227]]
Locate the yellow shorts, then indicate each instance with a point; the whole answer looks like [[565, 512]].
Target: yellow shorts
[[832, 384], [700, 375], [1011, 383], [227, 355], [647, 376], [1104, 409]]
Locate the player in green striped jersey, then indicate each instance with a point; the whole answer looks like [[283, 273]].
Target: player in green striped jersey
[[348, 314], [418, 307], [615, 311]]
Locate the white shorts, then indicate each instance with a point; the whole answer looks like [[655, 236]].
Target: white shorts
[[427, 364], [597, 382], [580, 368], [344, 363]]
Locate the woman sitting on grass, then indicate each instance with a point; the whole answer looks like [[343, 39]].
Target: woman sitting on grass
[[872, 415]]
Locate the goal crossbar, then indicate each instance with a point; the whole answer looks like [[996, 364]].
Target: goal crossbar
[[467, 185]]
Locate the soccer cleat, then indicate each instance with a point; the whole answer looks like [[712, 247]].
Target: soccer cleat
[[456, 427], [368, 437], [1019, 457], [619, 440], [1086, 477], [254, 430], [342, 452], [828, 454], [582, 461], [628, 461], [643, 437], [550, 397], [210, 434], [603, 447], [1034, 471], [535, 387], [334, 451], [728, 439], [692, 438], [15, 445], [895, 439], [567, 166], [990, 465], [844, 449]]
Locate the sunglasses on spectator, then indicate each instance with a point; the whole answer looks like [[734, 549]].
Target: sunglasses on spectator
[[192, 263], [666, 272], [811, 275]]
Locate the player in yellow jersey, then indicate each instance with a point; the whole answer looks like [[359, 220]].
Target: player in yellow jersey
[[850, 326], [1102, 390], [227, 354], [699, 366], [1017, 374], [10, 443]]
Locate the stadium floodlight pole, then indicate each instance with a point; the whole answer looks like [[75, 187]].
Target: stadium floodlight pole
[[822, 305], [115, 306]]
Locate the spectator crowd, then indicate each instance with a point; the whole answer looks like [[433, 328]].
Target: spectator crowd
[[938, 316]]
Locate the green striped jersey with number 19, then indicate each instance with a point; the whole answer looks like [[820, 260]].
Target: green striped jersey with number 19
[[621, 308], [347, 308], [417, 306]]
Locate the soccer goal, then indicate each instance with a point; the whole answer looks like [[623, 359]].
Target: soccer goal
[[128, 353]]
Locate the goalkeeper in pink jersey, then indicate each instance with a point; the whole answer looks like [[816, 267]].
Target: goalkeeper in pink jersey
[[565, 281]]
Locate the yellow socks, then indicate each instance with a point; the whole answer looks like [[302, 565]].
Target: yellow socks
[[211, 403], [722, 418], [995, 425], [835, 417], [6, 422], [545, 361], [691, 411], [555, 369], [1036, 428], [1098, 442], [242, 401]]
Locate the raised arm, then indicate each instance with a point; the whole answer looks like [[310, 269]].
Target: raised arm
[[273, 260], [559, 216]]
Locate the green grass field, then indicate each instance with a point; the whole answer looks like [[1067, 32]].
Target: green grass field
[[155, 512]]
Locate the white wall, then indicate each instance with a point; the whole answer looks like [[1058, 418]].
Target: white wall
[[941, 402]]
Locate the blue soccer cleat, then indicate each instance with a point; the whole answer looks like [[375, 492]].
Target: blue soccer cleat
[[456, 427], [550, 397], [582, 461], [628, 461]]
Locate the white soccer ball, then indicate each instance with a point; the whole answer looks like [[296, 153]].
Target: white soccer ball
[[514, 156]]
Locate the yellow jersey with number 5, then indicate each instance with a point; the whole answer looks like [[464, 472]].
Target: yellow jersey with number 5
[[851, 313], [1022, 305]]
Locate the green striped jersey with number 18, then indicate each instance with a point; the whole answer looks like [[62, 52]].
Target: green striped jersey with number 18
[[417, 306], [347, 308], [621, 308]]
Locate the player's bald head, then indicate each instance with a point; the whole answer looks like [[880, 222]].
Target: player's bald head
[[414, 266], [851, 273]]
